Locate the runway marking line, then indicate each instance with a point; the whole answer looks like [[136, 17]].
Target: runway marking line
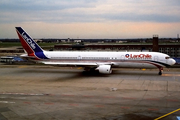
[[109, 97], [152, 99], [171, 75], [27, 103], [49, 103], [130, 98], [73, 104], [22, 66], [125, 107], [99, 106], [167, 114], [68, 95], [88, 96], [6, 102], [79, 68]]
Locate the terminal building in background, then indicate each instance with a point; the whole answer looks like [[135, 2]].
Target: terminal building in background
[[172, 50], [167, 46]]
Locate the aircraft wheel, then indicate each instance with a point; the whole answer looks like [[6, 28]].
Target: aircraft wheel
[[160, 72]]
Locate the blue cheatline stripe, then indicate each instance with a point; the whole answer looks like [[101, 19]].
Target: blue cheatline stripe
[[164, 64], [156, 63], [41, 55]]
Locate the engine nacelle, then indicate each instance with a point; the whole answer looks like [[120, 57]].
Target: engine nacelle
[[104, 69]]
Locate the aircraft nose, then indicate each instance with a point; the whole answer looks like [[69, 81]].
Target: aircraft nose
[[173, 61]]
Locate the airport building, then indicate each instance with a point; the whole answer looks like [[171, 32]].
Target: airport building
[[172, 50], [170, 47]]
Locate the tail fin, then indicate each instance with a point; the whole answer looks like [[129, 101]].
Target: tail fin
[[29, 45]]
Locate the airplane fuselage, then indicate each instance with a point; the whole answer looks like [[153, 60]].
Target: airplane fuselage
[[115, 59]]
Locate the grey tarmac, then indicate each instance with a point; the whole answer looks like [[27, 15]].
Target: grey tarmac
[[53, 93]]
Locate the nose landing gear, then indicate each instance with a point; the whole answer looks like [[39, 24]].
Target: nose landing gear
[[160, 70]]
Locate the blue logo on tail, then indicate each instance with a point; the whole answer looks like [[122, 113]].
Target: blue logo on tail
[[29, 41]]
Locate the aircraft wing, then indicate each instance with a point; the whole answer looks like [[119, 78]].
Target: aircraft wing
[[75, 64], [71, 64]]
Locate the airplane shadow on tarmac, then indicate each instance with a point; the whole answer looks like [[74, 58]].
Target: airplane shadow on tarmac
[[64, 74], [135, 72], [60, 74], [82, 73]]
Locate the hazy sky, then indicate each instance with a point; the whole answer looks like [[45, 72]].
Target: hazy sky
[[90, 18]]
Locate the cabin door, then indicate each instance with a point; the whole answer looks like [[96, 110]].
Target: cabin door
[[79, 57], [122, 57], [156, 58]]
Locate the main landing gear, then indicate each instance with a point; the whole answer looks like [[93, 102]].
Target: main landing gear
[[160, 70]]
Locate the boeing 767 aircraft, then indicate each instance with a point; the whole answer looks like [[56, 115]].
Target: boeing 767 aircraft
[[101, 61]]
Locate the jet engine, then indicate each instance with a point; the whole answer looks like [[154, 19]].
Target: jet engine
[[104, 69]]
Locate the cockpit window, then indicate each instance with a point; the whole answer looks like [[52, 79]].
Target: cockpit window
[[167, 57]]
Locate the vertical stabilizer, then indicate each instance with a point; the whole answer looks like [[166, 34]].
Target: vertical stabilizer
[[29, 45]]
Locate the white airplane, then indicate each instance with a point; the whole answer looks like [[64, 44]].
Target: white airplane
[[101, 61]]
